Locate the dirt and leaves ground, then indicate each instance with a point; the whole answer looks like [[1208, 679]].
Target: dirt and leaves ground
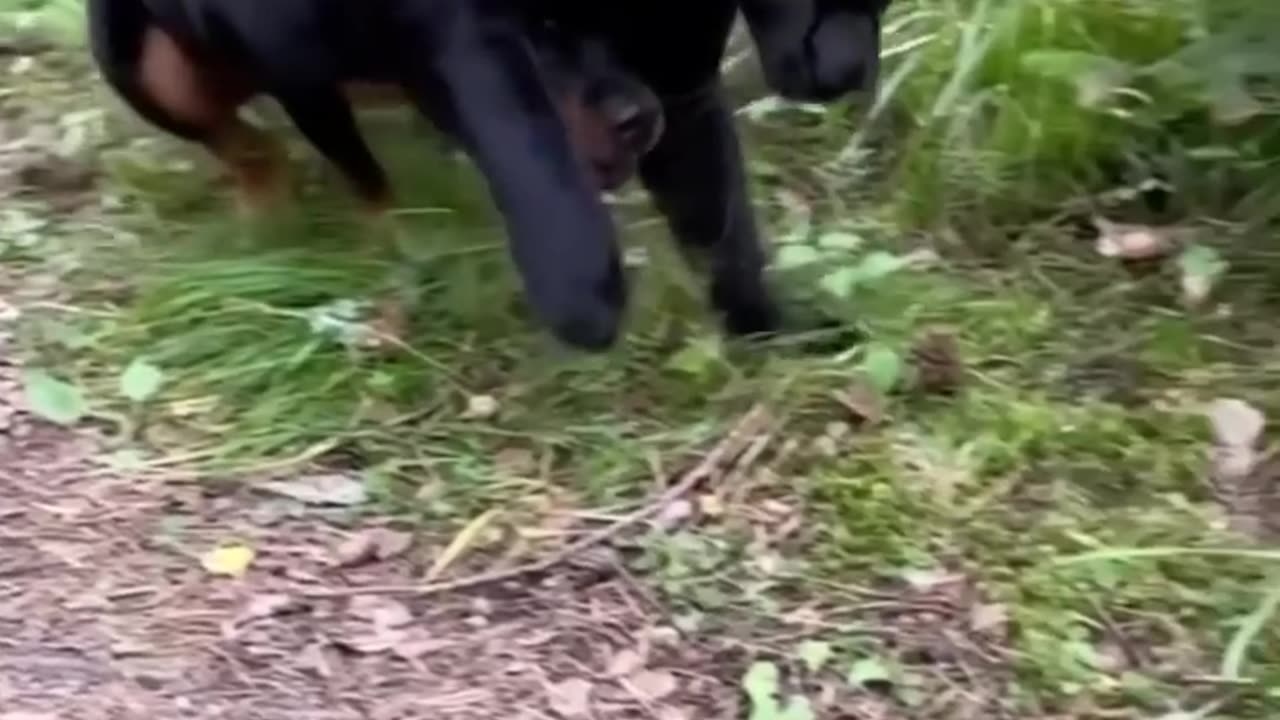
[[244, 470]]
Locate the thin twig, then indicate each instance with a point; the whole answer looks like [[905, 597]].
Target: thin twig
[[1112, 628], [728, 449], [1216, 681], [734, 478]]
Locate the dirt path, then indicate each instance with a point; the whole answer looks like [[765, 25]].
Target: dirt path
[[107, 612]]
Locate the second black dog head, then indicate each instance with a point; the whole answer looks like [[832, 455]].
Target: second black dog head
[[613, 117], [817, 50]]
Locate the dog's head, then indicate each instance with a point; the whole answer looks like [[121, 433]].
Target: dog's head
[[613, 117], [817, 49]]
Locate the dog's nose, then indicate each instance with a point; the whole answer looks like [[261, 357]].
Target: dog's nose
[[637, 125], [628, 120]]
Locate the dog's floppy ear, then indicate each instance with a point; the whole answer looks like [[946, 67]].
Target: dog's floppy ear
[[817, 49]]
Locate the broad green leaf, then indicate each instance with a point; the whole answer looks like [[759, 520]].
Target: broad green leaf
[[869, 670], [65, 334], [882, 366], [1231, 100], [761, 685], [1095, 77], [126, 459], [798, 708], [52, 399], [1201, 268], [140, 381], [1213, 153], [840, 283], [794, 256], [838, 240], [1067, 64], [814, 654], [697, 359], [879, 264], [1202, 261]]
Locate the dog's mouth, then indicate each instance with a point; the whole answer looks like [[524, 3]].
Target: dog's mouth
[[631, 138], [613, 173]]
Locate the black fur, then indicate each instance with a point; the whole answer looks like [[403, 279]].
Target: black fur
[[817, 49], [466, 64], [811, 49]]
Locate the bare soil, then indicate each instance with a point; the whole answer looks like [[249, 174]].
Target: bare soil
[[107, 612]]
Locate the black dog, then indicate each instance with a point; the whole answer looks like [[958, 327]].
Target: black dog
[[810, 49], [817, 49], [188, 65]]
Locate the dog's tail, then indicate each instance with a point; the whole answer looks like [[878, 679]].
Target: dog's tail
[[117, 37]]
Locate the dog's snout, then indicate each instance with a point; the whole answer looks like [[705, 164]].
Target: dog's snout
[[626, 118], [637, 124]]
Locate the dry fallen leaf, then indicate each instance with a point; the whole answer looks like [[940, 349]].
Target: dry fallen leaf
[[228, 560], [662, 635], [570, 698], [382, 612], [481, 407], [461, 542], [993, 617], [768, 562], [930, 580], [1110, 657], [392, 543], [416, 643], [319, 658], [625, 662], [357, 549], [654, 685], [1237, 426], [940, 367], [267, 605], [389, 325], [392, 615], [371, 544], [711, 505], [517, 462], [1236, 423], [385, 629], [674, 515], [321, 489], [864, 404], [1132, 242], [370, 643]]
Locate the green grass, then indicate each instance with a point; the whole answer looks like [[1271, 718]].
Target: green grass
[[1076, 438]]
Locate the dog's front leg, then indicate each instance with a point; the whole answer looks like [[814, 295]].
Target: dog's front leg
[[483, 86]]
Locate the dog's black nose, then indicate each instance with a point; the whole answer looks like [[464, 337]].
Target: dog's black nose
[[638, 125]]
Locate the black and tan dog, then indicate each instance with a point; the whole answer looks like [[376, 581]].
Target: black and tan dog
[[548, 116], [466, 64], [810, 49], [817, 50]]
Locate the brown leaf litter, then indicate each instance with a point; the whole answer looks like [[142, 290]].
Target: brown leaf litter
[[106, 612]]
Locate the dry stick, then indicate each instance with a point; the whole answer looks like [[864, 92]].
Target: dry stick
[[733, 445]]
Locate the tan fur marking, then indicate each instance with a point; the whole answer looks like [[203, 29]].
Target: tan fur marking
[[256, 163]]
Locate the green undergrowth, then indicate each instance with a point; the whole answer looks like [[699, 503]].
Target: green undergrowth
[[1076, 436]]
